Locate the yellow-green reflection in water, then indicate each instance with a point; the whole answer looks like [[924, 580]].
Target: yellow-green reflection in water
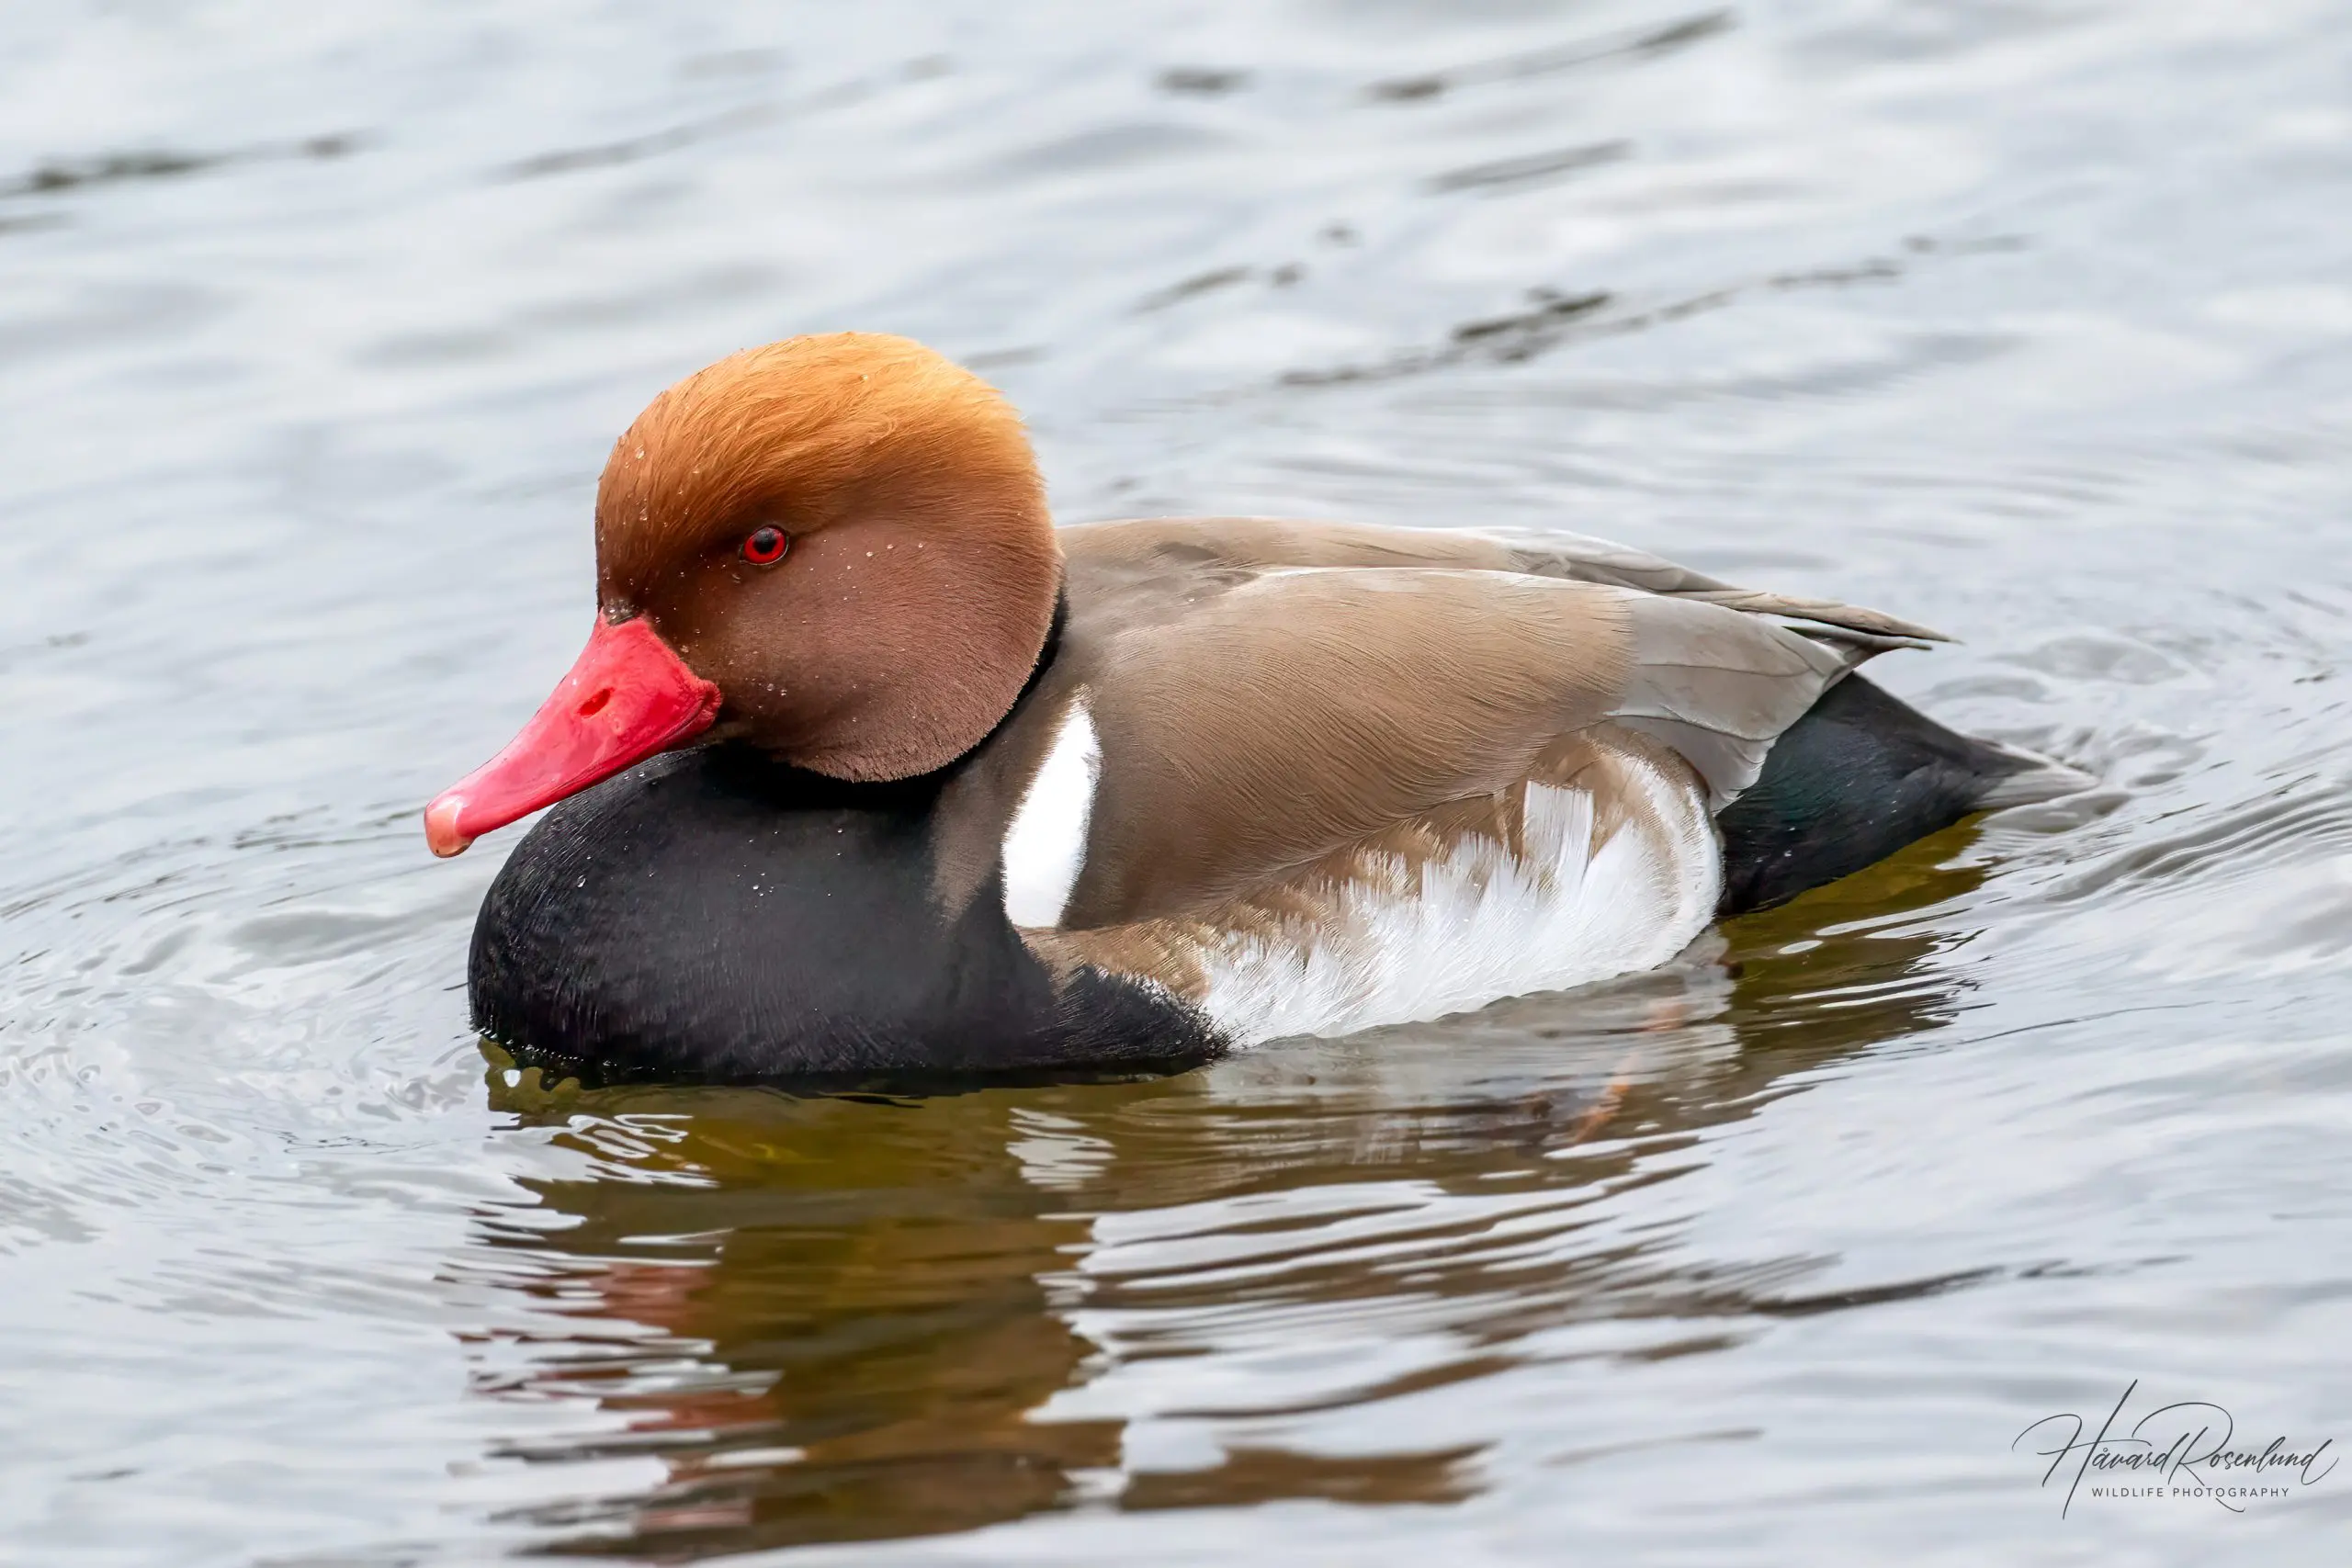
[[854, 1317]]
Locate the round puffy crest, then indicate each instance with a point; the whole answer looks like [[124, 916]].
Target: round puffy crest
[[802, 432]]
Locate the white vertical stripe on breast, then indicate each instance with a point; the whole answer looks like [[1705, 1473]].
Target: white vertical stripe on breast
[[1046, 847]]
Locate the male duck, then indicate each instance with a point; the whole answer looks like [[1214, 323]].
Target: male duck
[[868, 768]]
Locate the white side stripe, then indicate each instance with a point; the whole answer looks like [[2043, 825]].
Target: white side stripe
[[1479, 923], [1046, 847]]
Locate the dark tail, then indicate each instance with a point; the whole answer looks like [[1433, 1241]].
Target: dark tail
[[1860, 775]]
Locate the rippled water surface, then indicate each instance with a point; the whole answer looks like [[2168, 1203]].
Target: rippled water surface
[[2031, 319]]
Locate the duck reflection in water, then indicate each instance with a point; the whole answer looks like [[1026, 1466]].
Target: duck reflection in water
[[860, 1317]]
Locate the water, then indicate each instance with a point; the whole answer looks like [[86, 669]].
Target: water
[[2029, 319]]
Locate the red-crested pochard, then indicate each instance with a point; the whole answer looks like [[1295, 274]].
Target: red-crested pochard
[[868, 769]]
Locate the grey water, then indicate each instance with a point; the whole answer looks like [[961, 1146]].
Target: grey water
[[2027, 318]]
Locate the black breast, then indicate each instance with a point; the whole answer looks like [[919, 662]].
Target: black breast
[[710, 916]]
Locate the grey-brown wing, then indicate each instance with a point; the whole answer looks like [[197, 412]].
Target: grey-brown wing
[[1719, 687], [1582, 558], [1296, 711], [1138, 550]]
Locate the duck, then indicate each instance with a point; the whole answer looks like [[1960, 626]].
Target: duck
[[868, 769]]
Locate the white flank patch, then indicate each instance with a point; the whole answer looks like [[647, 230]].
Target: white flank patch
[[1481, 923], [1046, 847]]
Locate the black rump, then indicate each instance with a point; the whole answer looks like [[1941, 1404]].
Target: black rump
[[1860, 775]]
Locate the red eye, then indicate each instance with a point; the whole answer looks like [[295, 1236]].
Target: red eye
[[765, 547]]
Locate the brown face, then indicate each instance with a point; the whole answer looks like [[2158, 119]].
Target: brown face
[[876, 639], [840, 549]]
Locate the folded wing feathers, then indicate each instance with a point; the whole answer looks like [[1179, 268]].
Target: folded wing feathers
[[1586, 559], [1720, 687], [1715, 673], [1861, 645], [1827, 612]]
